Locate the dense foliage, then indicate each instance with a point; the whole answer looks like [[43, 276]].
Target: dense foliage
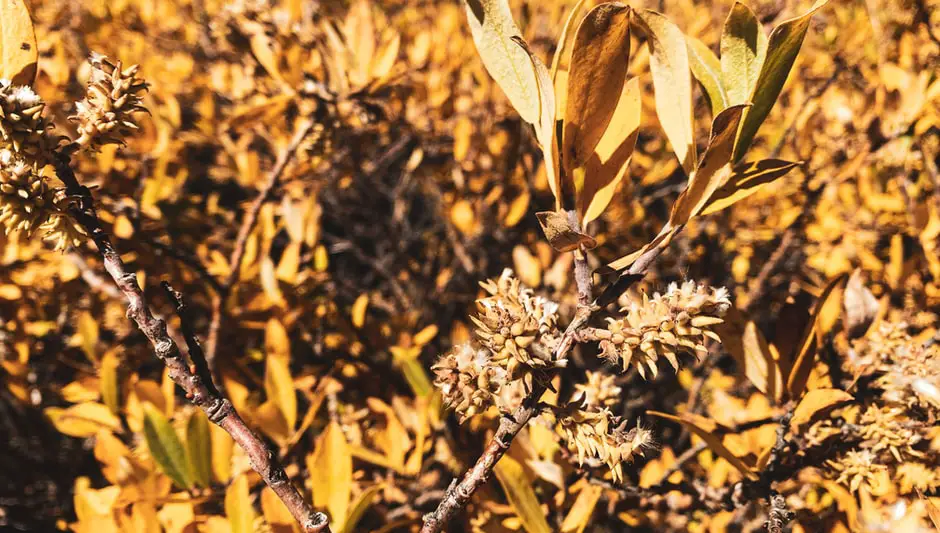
[[679, 261]]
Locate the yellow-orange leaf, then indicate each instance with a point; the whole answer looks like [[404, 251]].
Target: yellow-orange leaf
[[18, 50], [599, 59], [814, 403], [520, 495], [238, 508], [706, 430], [330, 467], [804, 358], [611, 159]]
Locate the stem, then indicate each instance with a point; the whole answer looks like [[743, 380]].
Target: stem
[[193, 380], [458, 494], [241, 240]]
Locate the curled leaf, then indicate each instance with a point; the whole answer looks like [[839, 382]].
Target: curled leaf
[[714, 169], [560, 234]]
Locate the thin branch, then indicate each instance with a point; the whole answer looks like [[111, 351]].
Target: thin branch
[[197, 385], [241, 240]]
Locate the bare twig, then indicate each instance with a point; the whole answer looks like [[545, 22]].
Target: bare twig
[[303, 128], [193, 380]]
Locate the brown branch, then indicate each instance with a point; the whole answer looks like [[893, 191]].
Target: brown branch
[[197, 385], [241, 240]]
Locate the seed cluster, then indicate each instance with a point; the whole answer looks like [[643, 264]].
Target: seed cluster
[[469, 380], [113, 96], [664, 326], [597, 434]]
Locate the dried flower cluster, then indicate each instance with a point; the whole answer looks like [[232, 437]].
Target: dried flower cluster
[[597, 434], [469, 380], [106, 114], [664, 326], [517, 326], [23, 128], [516, 334]]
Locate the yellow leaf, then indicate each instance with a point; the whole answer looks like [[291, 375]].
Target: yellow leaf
[[527, 266], [18, 50], [222, 448], [745, 180], [462, 216], [750, 349], [599, 58], [520, 495], [238, 508], [743, 48], [425, 335], [359, 310], [274, 511], [814, 403], [546, 127], [581, 511], [88, 335], [83, 419], [564, 40], [110, 385], [714, 169], [10, 292], [359, 508], [558, 230], [611, 159], [672, 83], [706, 429], [330, 467], [276, 339], [707, 70]]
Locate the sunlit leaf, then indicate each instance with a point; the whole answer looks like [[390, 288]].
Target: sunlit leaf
[[753, 354], [279, 386], [560, 234], [805, 358], [520, 495], [165, 447], [109, 380], [714, 169], [579, 516], [599, 58], [782, 49], [83, 419], [330, 467], [611, 159], [743, 48], [18, 50], [707, 70], [493, 29], [238, 508], [816, 402], [672, 83], [360, 507], [745, 180], [706, 429]]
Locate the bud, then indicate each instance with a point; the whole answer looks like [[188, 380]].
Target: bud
[[24, 197]]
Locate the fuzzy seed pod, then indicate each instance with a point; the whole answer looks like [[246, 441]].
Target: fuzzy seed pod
[[664, 326], [23, 129], [518, 327], [106, 115], [599, 391], [469, 380], [602, 436], [24, 197]]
